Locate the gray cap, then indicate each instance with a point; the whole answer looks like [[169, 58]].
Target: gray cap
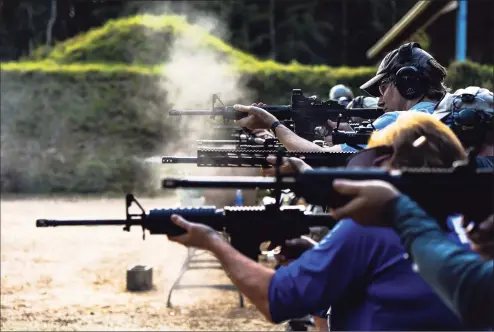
[[397, 59]]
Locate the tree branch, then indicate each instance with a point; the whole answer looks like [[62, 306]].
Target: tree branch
[[51, 23]]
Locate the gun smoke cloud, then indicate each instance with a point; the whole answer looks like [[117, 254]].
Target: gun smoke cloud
[[191, 75]]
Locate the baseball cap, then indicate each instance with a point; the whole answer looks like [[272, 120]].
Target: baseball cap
[[395, 60]]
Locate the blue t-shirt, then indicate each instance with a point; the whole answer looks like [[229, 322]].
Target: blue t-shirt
[[361, 273], [388, 118], [485, 162]]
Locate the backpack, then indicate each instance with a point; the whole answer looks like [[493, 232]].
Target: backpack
[[468, 112]]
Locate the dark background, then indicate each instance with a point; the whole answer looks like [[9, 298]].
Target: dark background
[[332, 32]]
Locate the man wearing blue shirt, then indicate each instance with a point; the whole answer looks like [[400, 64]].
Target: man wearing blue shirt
[[362, 273], [463, 280], [408, 79]]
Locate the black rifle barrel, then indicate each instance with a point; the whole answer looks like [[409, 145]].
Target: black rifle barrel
[[178, 160], [238, 182], [285, 112], [248, 226], [281, 111], [218, 141], [249, 157], [350, 137], [83, 222], [216, 218], [440, 192]]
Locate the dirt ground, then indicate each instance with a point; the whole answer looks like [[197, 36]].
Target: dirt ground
[[74, 278]]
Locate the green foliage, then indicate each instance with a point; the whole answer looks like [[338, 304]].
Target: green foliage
[[141, 40], [271, 80], [79, 131], [468, 73], [422, 38]]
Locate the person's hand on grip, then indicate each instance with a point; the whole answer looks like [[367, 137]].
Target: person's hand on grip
[[197, 236], [257, 117], [288, 166], [262, 133], [370, 197], [293, 249], [482, 237]]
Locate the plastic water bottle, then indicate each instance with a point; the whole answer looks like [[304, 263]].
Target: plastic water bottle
[[239, 198]]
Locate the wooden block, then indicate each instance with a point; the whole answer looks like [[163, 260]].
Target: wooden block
[[139, 278]]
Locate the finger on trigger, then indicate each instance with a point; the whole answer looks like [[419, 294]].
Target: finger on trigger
[[297, 164], [271, 159], [349, 209], [347, 187]]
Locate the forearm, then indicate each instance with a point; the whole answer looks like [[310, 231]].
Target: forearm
[[251, 278], [458, 276], [293, 142]]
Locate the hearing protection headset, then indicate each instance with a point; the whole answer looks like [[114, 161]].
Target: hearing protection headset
[[409, 81], [470, 124]]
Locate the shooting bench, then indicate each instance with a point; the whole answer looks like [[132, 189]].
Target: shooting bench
[[194, 261]]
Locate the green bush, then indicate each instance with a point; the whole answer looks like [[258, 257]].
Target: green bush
[[79, 131], [468, 73], [141, 39]]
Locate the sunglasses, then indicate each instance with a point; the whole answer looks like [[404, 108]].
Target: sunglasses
[[383, 86], [372, 157]]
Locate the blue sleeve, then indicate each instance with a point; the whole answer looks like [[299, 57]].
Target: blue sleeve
[[388, 118], [460, 277], [347, 148], [385, 120], [322, 275]]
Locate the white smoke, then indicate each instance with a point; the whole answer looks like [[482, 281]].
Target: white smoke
[[191, 75]]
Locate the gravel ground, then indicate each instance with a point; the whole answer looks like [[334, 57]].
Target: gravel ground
[[74, 278]]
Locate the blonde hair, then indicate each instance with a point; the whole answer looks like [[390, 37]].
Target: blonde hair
[[439, 148]]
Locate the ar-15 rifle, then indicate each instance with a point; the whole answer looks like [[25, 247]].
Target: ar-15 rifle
[[228, 134], [271, 224], [359, 136], [244, 142], [440, 192], [252, 157], [275, 223], [306, 113], [459, 190]]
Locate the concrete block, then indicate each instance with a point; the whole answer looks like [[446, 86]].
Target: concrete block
[[139, 278]]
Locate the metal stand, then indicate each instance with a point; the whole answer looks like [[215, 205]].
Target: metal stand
[[191, 264]]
